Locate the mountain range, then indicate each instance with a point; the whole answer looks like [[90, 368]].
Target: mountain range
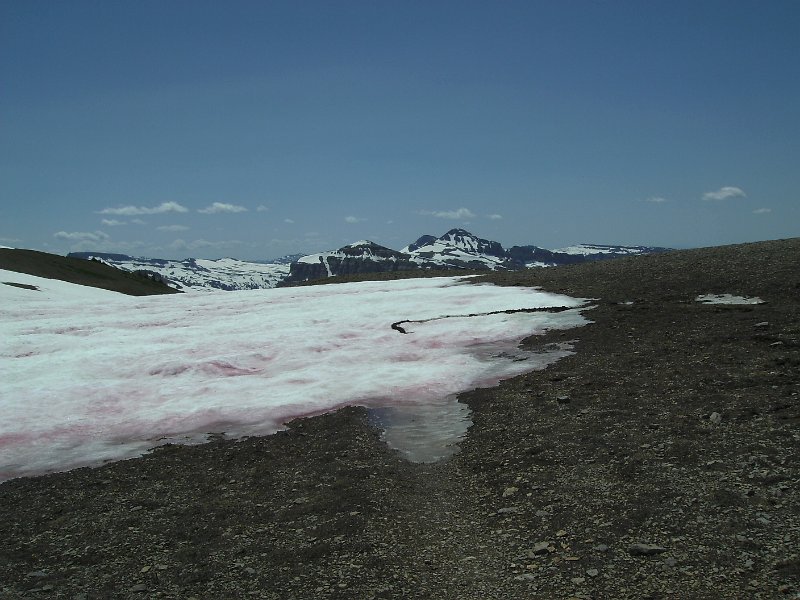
[[457, 249]]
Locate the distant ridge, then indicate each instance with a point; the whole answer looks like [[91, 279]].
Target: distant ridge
[[457, 249], [197, 274], [82, 272]]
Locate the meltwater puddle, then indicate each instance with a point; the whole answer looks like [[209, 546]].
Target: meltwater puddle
[[423, 433], [427, 433]]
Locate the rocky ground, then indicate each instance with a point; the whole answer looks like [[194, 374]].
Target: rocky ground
[[661, 460]]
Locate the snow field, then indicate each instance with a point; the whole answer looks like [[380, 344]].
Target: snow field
[[89, 375]]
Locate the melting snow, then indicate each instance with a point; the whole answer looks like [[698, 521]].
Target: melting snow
[[90, 375]]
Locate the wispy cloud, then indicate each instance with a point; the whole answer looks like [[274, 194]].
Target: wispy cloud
[[262, 208], [82, 236], [222, 207], [495, 217], [112, 222], [164, 207], [459, 213], [762, 211], [656, 200], [180, 244], [172, 228], [289, 221], [352, 219], [724, 193]]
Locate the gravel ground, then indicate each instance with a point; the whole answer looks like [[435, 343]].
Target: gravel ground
[[661, 460]]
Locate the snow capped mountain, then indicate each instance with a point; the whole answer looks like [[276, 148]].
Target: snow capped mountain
[[425, 239], [195, 274], [457, 249], [360, 257]]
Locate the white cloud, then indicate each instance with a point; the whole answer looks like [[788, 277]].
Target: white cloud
[[762, 211], [82, 236], [289, 221], [164, 207], [262, 208], [112, 222], [222, 207], [172, 228], [460, 213], [656, 200], [724, 193], [495, 217], [352, 219], [138, 222]]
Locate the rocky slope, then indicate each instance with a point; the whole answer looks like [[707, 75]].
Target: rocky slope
[[660, 461]]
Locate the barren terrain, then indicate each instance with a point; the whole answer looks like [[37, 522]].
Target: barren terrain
[[661, 460]]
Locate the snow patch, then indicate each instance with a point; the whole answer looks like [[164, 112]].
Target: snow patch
[[727, 299]]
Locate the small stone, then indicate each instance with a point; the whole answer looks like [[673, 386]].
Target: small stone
[[525, 577], [542, 513], [645, 549], [592, 572], [715, 418], [145, 569], [563, 399], [250, 570], [763, 520], [762, 324], [510, 491], [541, 547], [36, 574], [139, 588], [507, 509], [670, 562], [561, 533], [578, 580], [600, 548]]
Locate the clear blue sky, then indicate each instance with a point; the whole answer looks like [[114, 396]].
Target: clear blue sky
[[255, 129]]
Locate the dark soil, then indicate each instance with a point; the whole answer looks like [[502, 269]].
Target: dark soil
[[661, 460]]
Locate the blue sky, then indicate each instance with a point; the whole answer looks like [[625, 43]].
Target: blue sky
[[256, 129]]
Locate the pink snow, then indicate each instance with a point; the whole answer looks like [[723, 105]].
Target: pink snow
[[90, 376]]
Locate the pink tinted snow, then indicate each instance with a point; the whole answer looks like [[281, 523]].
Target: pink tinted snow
[[86, 385]]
